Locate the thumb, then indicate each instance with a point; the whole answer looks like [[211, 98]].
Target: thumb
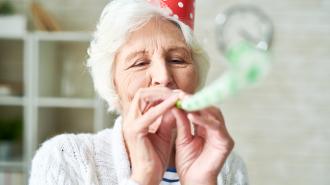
[[183, 127], [166, 126]]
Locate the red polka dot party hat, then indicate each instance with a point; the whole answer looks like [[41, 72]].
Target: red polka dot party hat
[[184, 10]]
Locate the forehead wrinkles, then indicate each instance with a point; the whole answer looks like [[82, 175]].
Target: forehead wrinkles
[[155, 36], [156, 42]]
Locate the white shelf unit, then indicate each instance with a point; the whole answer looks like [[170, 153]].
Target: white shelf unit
[[11, 101], [12, 50], [52, 64], [12, 165]]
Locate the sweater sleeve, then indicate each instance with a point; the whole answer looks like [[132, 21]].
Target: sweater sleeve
[[234, 172], [56, 163]]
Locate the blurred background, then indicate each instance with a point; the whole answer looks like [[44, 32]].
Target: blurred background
[[281, 127]]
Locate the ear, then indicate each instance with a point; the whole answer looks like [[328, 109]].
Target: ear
[[114, 82], [118, 106], [113, 72], [114, 85]]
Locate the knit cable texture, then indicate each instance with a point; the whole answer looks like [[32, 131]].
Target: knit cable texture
[[101, 159]]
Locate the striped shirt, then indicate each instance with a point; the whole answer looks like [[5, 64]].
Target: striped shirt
[[170, 177]]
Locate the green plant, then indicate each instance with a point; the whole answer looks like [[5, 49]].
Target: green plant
[[6, 8], [11, 130]]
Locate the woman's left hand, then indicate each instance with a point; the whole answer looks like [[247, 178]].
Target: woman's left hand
[[200, 157]]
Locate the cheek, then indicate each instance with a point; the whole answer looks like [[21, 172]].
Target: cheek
[[129, 83], [136, 82], [186, 79]]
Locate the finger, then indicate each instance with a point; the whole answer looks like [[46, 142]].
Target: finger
[[205, 120], [182, 94], [168, 123], [200, 131], [213, 111], [155, 125], [149, 117], [166, 131], [166, 126], [184, 134], [212, 126], [164, 123], [147, 96]]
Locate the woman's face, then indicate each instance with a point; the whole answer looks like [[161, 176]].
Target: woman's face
[[154, 55]]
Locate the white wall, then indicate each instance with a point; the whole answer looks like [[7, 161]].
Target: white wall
[[282, 127]]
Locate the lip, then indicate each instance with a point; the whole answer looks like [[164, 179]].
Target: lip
[[155, 103]]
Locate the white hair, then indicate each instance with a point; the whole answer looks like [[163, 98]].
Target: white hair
[[119, 18]]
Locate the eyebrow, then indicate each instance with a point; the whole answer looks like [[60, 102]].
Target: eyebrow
[[171, 49], [176, 48], [134, 54]]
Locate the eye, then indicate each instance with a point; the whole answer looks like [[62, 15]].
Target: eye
[[177, 61], [140, 63]]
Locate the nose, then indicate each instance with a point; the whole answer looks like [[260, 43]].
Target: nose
[[161, 74]]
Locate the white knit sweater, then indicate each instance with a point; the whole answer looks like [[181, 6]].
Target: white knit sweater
[[101, 159]]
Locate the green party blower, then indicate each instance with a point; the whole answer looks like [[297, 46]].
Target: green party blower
[[248, 65]]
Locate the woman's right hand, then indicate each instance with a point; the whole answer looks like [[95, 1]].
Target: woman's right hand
[[149, 153]]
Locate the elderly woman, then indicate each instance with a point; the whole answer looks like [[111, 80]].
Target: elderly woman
[[143, 59]]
